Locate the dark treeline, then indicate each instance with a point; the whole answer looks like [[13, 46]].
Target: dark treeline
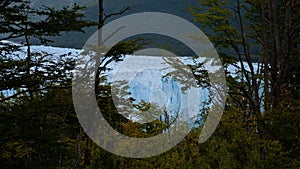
[[260, 125]]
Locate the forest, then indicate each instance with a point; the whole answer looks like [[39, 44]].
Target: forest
[[257, 42]]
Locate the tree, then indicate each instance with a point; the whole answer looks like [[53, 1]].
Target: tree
[[262, 36], [31, 122], [115, 54], [20, 20]]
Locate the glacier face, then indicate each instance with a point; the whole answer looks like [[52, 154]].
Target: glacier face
[[146, 79], [149, 80]]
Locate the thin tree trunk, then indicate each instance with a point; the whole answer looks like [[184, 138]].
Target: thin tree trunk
[[28, 57]]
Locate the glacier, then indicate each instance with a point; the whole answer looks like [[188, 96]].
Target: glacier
[[147, 81]]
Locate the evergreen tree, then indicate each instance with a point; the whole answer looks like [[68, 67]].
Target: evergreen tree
[[38, 124]]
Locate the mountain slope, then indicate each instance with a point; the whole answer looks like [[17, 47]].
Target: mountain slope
[[76, 40]]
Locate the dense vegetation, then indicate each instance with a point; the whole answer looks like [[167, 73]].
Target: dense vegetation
[[260, 125]]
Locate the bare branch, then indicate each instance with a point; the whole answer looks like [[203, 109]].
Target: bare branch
[[116, 13]]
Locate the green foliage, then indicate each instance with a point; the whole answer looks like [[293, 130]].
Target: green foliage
[[39, 127], [20, 19]]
